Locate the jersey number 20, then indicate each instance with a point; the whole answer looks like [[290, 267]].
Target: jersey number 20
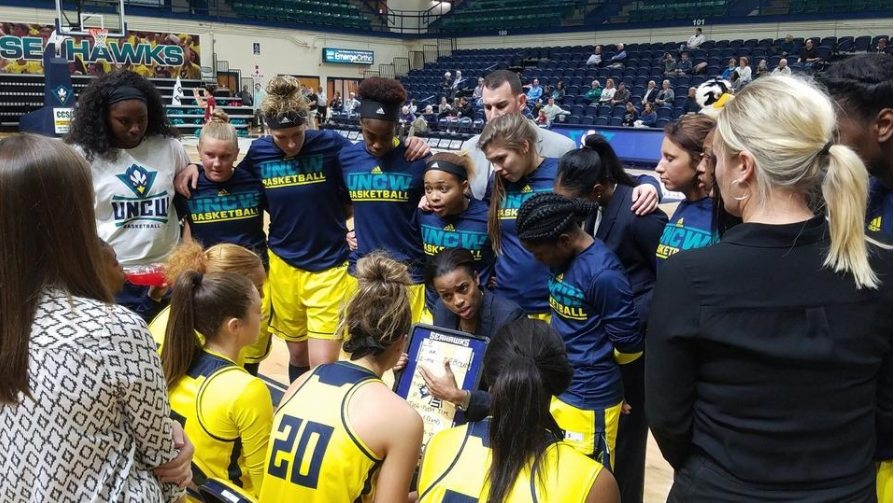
[[286, 445]]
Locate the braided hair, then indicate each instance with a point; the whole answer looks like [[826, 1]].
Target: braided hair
[[545, 217]]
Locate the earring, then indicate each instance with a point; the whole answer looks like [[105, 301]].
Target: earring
[[745, 195]]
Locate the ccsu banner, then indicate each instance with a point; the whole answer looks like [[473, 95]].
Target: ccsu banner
[[347, 56], [150, 54]]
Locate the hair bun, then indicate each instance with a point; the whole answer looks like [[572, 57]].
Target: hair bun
[[219, 116], [379, 268], [283, 86]]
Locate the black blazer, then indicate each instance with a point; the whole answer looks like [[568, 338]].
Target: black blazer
[[634, 240], [495, 312], [774, 369]]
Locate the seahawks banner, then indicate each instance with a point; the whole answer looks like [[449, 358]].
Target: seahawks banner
[[151, 54]]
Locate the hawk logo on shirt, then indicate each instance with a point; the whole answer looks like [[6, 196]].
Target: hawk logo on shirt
[[875, 224], [138, 179], [376, 171]]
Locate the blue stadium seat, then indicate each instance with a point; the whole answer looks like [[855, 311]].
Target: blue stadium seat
[[616, 121], [601, 121]]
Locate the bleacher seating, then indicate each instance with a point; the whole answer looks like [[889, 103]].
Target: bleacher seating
[[507, 14], [332, 13], [21, 94], [552, 64]]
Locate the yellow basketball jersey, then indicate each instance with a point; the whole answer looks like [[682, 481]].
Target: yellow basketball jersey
[[314, 453], [457, 462], [227, 414]]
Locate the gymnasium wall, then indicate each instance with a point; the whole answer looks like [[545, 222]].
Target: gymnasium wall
[[282, 51], [851, 27]]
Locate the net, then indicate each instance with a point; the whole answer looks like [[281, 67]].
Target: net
[[99, 37]]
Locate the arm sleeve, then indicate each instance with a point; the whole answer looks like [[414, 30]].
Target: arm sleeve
[[142, 393], [181, 157], [253, 415], [647, 232], [614, 302], [671, 366], [479, 405]]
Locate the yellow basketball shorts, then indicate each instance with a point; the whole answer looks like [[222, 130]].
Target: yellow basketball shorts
[[541, 317], [261, 348], [592, 432], [305, 304], [883, 482], [417, 299]]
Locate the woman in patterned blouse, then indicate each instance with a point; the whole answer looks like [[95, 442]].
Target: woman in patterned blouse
[[83, 404]]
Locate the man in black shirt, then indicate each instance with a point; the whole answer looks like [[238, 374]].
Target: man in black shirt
[[809, 57]]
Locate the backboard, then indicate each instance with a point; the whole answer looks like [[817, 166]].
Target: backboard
[[84, 15]]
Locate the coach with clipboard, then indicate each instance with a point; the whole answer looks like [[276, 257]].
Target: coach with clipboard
[[463, 305]]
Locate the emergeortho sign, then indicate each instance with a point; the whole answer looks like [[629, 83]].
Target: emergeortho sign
[[347, 56]]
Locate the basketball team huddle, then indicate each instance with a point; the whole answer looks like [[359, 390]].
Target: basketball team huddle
[[604, 316]]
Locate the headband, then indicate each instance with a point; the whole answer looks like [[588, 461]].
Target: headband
[[370, 109], [286, 120], [125, 93], [447, 167]]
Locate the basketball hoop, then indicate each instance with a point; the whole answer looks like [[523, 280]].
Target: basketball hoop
[[99, 37]]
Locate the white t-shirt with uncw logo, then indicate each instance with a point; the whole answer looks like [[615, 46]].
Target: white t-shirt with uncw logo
[[134, 200]]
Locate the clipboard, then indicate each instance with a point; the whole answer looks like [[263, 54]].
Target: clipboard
[[429, 346]]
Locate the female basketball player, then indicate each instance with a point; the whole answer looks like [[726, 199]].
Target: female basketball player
[[463, 304], [595, 173], [681, 152], [517, 455], [594, 312], [121, 128], [224, 410], [384, 187], [456, 219], [228, 206], [308, 206], [510, 143], [223, 257], [340, 433]]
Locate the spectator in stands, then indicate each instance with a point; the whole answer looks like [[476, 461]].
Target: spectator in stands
[[312, 101], [542, 120], [651, 93], [535, 110], [479, 90], [788, 46], [685, 65], [553, 111], [246, 96], [535, 91], [559, 91], [406, 119], [352, 103], [762, 69], [882, 47], [595, 59], [618, 59], [744, 75], [322, 104], [782, 68], [431, 118], [731, 67], [447, 85], [205, 100], [670, 65], [622, 95], [666, 95], [694, 41], [457, 82], [413, 107], [465, 108], [444, 108], [609, 92], [649, 118], [594, 93], [336, 103], [808, 56], [419, 125], [691, 106], [630, 113]]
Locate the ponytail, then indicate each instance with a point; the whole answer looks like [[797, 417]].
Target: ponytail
[[493, 213], [844, 189], [526, 365], [581, 169], [200, 303]]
